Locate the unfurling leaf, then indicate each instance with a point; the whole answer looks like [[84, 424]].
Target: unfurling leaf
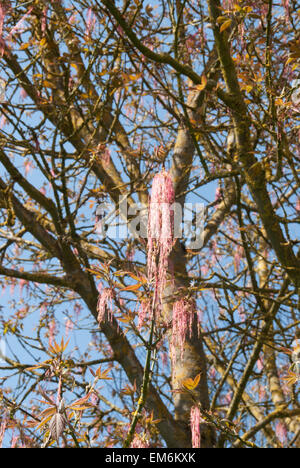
[[57, 425], [103, 375], [225, 25], [132, 287], [203, 83], [191, 384]]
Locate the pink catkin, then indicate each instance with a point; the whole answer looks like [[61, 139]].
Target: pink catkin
[[195, 426], [160, 229], [285, 4], [139, 442], [14, 441], [3, 121], [143, 313], [260, 364], [218, 194], [105, 304], [17, 29], [91, 20], [3, 11], [27, 167], [12, 286], [44, 19], [182, 321], [22, 284], [2, 432], [23, 94], [52, 331], [281, 431], [68, 327]]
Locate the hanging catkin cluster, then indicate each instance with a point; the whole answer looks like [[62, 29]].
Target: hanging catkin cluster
[[104, 304], [195, 421], [182, 321], [160, 230]]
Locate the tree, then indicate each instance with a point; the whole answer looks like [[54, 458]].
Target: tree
[[193, 345]]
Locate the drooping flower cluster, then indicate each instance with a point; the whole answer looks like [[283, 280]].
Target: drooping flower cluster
[[239, 253], [90, 22], [195, 419], [182, 321], [105, 304], [143, 312], [2, 431], [281, 431], [139, 442], [160, 229]]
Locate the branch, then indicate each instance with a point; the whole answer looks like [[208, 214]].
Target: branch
[[154, 56], [278, 413], [254, 171], [39, 277]]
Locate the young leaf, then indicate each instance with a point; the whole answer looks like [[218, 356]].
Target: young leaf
[[225, 25]]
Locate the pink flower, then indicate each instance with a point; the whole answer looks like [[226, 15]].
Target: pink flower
[[17, 29], [3, 11], [77, 309], [227, 398], [12, 286], [44, 19], [241, 36], [106, 157], [2, 16], [213, 251], [3, 121], [28, 166], [130, 252], [228, 4], [14, 441], [261, 392], [241, 312], [2, 432], [204, 270], [195, 419], [237, 258], [103, 153], [260, 364], [164, 359], [298, 204], [285, 4], [52, 331], [43, 307], [68, 327], [120, 30], [218, 194], [90, 23], [22, 283], [139, 442], [182, 321], [72, 19], [105, 304], [160, 229], [281, 431], [143, 313]]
